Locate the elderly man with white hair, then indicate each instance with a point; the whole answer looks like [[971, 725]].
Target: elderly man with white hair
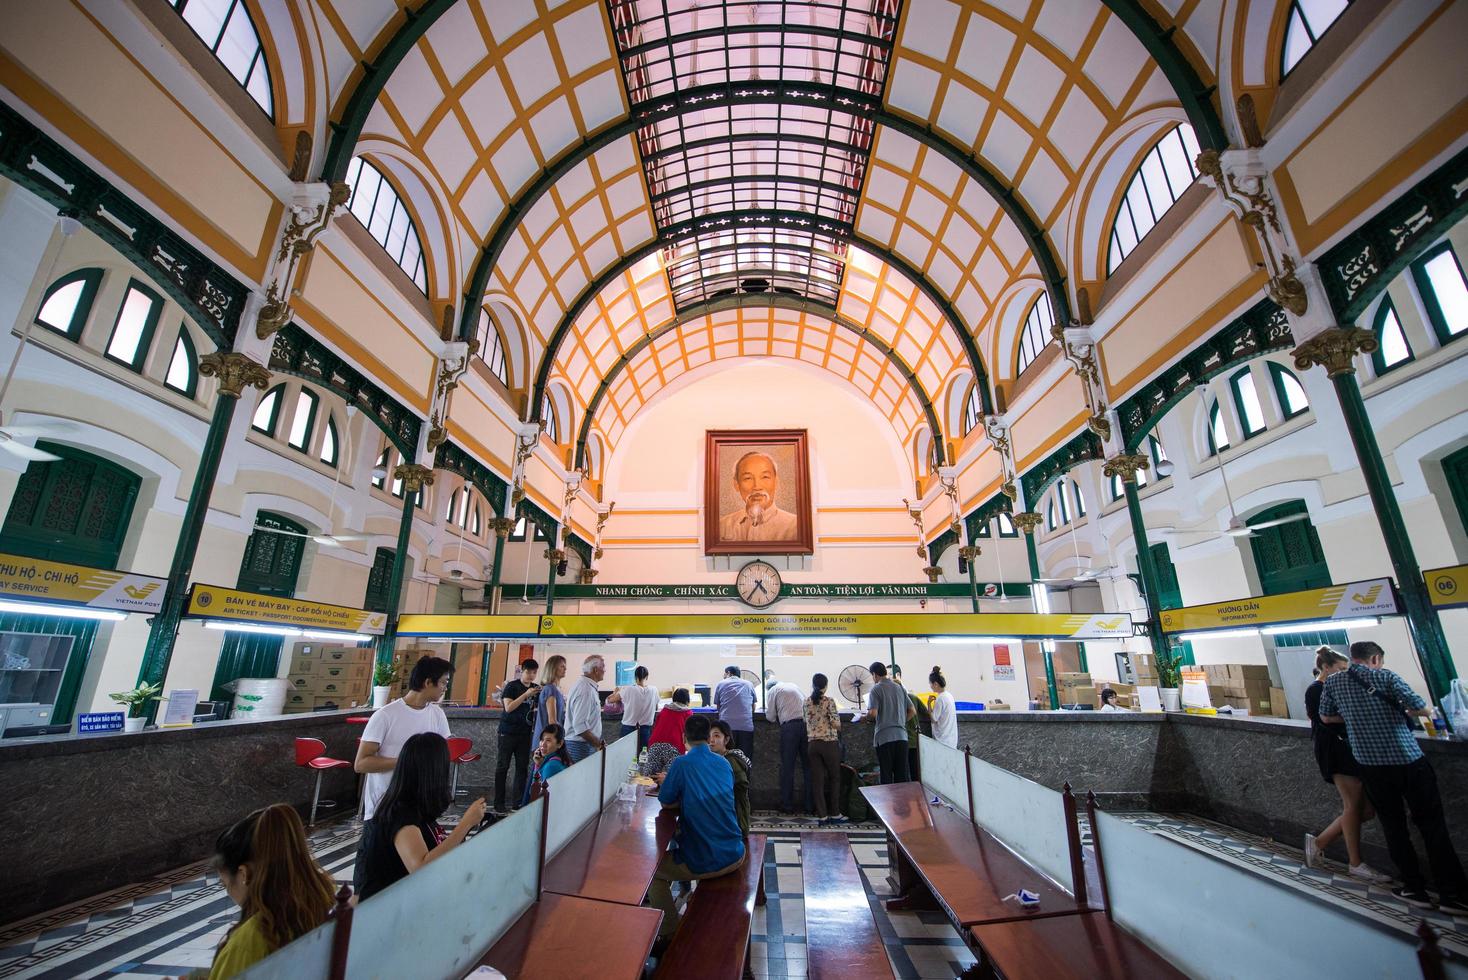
[[583, 710]]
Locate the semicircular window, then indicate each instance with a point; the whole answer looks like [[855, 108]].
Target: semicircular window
[[1166, 171], [377, 204]]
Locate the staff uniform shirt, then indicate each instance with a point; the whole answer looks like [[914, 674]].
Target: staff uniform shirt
[[708, 836], [945, 720], [583, 710], [1377, 731], [783, 703], [390, 727], [734, 697], [891, 703], [639, 704]]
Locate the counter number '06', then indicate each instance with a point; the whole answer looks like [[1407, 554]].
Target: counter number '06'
[[758, 584]]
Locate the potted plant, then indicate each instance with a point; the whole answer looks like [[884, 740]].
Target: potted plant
[[136, 700], [1170, 675], [383, 678]]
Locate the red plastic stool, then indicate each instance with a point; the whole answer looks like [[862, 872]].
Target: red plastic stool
[[461, 750], [311, 752]]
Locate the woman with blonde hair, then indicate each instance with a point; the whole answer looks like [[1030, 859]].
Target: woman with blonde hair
[[1339, 768], [550, 706], [266, 866]]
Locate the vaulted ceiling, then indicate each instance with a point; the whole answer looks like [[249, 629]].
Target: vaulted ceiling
[[881, 187]]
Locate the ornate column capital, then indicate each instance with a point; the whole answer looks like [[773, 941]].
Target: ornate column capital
[[502, 526], [1026, 521], [932, 572], [1335, 350], [415, 477], [555, 554], [587, 576], [1125, 466], [235, 372], [969, 552]]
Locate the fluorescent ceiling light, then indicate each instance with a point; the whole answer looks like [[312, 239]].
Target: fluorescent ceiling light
[[219, 624], [817, 641], [61, 612], [1319, 625], [343, 637], [1215, 634], [959, 640], [687, 641]]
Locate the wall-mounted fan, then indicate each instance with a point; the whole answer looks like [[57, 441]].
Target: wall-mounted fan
[[855, 683]]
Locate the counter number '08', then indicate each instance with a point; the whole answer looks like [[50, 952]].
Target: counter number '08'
[[758, 584]]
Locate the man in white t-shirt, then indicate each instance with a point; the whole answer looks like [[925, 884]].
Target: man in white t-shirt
[[391, 726]]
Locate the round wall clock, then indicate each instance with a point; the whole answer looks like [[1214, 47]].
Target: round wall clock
[[758, 584]]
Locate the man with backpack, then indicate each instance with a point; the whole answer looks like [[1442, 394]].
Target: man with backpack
[[1377, 706]]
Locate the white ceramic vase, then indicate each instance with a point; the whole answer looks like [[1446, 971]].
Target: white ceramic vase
[[381, 695], [1172, 699], [131, 725]]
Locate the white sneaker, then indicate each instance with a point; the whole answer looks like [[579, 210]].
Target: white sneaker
[[1367, 873], [1312, 853]]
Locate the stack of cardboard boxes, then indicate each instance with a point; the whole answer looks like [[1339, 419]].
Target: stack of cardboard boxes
[[1075, 688], [326, 676], [1244, 686], [1144, 665]]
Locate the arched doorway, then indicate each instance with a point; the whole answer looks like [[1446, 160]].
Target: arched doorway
[[75, 509], [271, 565]]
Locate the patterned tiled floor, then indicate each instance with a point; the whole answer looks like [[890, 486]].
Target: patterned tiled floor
[[1286, 864]]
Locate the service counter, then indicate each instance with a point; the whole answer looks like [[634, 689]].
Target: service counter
[[85, 815]]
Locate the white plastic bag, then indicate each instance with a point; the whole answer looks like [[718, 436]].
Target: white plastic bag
[[1455, 706]]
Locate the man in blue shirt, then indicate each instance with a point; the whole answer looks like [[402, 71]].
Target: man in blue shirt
[[1376, 706], [708, 842], [734, 697]]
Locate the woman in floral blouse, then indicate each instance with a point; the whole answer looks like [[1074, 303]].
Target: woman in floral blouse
[[823, 732]]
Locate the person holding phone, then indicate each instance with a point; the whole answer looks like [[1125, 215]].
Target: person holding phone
[[515, 731], [403, 834]]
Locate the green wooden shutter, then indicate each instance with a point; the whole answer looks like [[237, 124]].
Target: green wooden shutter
[[271, 565], [1455, 469], [379, 581], [1288, 557]]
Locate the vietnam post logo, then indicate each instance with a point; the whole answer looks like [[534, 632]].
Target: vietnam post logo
[[143, 593]]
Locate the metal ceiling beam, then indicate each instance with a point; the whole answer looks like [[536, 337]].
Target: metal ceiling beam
[[757, 219], [756, 300], [1196, 98]]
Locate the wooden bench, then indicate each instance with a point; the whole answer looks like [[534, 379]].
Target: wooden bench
[[614, 858], [1089, 946], [563, 937], [841, 938], [717, 922]]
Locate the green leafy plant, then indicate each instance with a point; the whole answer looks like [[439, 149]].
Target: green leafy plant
[[384, 675], [138, 698]]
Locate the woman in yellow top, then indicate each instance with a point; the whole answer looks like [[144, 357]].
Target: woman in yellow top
[[266, 867]]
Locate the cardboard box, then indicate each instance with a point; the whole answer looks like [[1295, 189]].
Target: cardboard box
[[349, 673], [302, 664], [298, 700], [299, 682], [343, 655], [1281, 708], [996, 706], [1078, 695]]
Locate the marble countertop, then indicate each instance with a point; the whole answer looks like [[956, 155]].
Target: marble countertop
[[40, 746]]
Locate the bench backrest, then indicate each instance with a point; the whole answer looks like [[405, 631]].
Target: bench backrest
[[576, 800], [620, 756], [944, 772], [1243, 923]]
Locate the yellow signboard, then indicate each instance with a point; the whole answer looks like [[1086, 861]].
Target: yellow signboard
[[79, 585], [1447, 587], [414, 624], [756, 625], [1373, 597], [214, 602]]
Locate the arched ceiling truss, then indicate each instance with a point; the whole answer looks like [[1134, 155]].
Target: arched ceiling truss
[[748, 325]]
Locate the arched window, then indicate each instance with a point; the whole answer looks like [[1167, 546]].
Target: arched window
[[267, 413], [476, 526], [378, 206], [492, 348], [225, 26], [183, 367], [1392, 350], [303, 421], [548, 414], [1006, 526], [971, 410], [68, 302], [1080, 499], [1309, 19], [1036, 332], [1292, 398], [1217, 431], [1050, 515], [132, 334], [379, 469], [329, 444], [1159, 455], [1444, 291], [1166, 171], [448, 514], [1246, 400]]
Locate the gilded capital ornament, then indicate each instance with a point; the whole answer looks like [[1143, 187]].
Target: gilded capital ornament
[[587, 576], [1125, 466], [1027, 521], [1335, 350], [932, 572], [556, 554], [502, 526], [415, 477], [235, 372], [969, 552]]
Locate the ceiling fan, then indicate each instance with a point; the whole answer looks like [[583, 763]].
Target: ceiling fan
[[1236, 527], [10, 435], [1088, 570]]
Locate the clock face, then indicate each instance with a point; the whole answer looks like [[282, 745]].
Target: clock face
[[758, 584]]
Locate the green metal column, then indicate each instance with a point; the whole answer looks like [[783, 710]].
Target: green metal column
[[1081, 656], [414, 476], [554, 556], [500, 527], [1335, 350], [968, 553], [1148, 571], [235, 371], [1028, 522]]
